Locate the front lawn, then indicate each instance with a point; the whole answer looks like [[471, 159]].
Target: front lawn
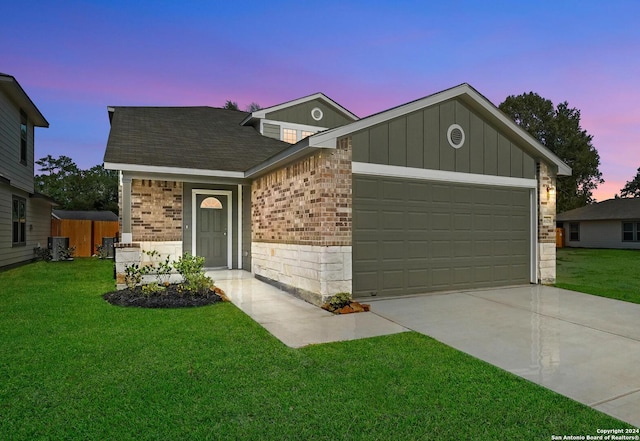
[[73, 366], [606, 273]]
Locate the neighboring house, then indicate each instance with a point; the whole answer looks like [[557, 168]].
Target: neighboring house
[[441, 193], [614, 223], [25, 216]]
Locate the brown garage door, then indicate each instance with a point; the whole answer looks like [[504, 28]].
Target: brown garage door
[[412, 236]]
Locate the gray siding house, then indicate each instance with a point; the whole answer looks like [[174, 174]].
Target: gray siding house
[[444, 192], [25, 216], [614, 223]]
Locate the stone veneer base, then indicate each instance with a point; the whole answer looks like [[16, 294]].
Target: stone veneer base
[[313, 273]]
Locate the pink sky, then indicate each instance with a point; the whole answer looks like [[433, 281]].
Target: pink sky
[[74, 59]]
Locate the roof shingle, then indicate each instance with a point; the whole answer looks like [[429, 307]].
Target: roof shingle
[[611, 209], [201, 138]]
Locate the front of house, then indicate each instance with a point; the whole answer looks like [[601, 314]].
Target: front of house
[[442, 193]]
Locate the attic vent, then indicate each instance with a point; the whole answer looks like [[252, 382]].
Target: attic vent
[[316, 114], [455, 136]]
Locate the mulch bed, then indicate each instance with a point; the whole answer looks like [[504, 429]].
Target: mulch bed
[[170, 297]]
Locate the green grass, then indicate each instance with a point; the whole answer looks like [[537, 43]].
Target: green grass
[[75, 367], [606, 273]]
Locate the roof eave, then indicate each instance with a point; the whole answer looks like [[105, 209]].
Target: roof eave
[[17, 93], [172, 170]]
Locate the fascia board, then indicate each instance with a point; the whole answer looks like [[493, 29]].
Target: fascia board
[[295, 151], [17, 94], [173, 170], [263, 112]]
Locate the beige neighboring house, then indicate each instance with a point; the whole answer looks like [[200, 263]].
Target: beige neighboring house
[[614, 223], [25, 216], [442, 193]]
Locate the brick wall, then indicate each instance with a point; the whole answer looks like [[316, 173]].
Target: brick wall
[[156, 210], [307, 202]]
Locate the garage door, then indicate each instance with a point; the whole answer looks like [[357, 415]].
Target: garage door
[[412, 236]]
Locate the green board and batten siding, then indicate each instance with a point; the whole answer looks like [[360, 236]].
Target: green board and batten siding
[[301, 114], [271, 130], [413, 236], [420, 140]]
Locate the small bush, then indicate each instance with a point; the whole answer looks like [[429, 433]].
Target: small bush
[[340, 300]]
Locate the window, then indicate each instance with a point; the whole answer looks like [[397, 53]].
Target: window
[[211, 202], [289, 135], [574, 232], [23, 137], [19, 221], [631, 231], [294, 135]]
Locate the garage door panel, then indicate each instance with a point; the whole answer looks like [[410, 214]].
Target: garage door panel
[[434, 236]]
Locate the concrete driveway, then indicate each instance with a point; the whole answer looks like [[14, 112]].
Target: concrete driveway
[[581, 346]]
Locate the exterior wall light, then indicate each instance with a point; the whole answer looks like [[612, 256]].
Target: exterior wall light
[[551, 190]]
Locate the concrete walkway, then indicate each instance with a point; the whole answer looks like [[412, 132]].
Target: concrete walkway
[[581, 346], [295, 322]]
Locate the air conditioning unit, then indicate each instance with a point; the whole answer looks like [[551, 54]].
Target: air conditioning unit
[[54, 245]]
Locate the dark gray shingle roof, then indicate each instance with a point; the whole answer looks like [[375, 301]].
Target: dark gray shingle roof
[[85, 215], [204, 138], [611, 209]]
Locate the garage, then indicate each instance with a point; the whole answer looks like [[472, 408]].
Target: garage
[[414, 236]]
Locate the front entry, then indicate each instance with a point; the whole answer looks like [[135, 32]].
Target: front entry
[[211, 234]]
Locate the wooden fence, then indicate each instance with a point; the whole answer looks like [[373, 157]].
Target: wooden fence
[[84, 235]]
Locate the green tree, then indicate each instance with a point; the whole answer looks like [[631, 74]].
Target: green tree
[[632, 188], [230, 105], [76, 189], [558, 128]]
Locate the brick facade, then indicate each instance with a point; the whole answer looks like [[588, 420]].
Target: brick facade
[[156, 210], [307, 202]]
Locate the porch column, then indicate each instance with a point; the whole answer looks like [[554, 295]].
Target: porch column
[[127, 236]]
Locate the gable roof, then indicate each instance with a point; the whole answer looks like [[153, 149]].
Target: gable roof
[[262, 113], [12, 88], [470, 97], [611, 209], [85, 215], [191, 140]]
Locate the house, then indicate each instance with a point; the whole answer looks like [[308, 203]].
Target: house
[[25, 216], [614, 223], [441, 193]]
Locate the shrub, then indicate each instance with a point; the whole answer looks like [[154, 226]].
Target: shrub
[[340, 300]]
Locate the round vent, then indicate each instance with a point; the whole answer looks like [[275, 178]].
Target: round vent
[[316, 114], [455, 136]]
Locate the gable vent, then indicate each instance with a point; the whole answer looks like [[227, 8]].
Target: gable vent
[[455, 136], [316, 114]]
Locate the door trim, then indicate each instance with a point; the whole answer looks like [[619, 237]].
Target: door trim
[[194, 217]]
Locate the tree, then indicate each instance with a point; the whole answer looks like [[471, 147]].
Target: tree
[[253, 107], [230, 105], [632, 188], [76, 189], [559, 130]]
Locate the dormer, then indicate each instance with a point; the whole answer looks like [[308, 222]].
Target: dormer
[[295, 120]]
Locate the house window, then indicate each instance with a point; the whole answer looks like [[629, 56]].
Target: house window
[[23, 137], [19, 221], [574, 232], [211, 202], [289, 135], [294, 135], [631, 231]]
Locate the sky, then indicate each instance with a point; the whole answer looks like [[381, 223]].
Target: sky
[[76, 58]]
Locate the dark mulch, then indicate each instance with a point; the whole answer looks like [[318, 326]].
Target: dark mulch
[[170, 297]]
